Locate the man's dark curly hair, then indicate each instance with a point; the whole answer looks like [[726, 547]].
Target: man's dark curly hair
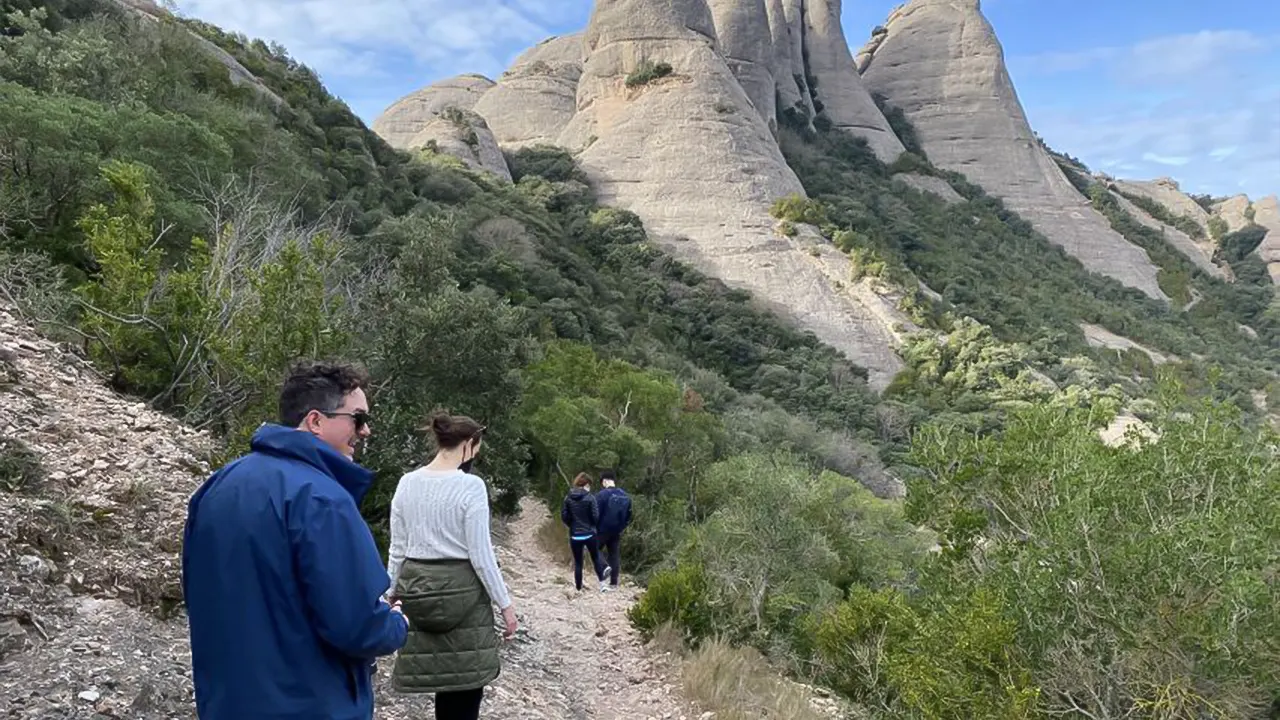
[[317, 385]]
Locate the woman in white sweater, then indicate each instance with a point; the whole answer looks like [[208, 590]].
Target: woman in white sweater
[[444, 571]]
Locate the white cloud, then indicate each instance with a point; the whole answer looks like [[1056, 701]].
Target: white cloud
[[1178, 58], [431, 37], [1168, 59], [1165, 160], [1205, 104]]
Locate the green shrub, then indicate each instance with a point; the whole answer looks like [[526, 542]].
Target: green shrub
[[952, 662], [20, 468], [1142, 579], [677, 596], [798, 209], [647, 72], [1218, 227]]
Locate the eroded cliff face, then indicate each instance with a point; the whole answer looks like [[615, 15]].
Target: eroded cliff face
[[745, 40], [1167, 192], [940, 62], [839, 95], [1266, 212], [690, 154], [672, 110], [537, 96], [441, 116]]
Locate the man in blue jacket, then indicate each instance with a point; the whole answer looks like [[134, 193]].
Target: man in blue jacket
[[282, 579], [615, 516]]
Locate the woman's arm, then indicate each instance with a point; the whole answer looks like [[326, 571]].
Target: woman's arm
[[480, 544], [399, 538]]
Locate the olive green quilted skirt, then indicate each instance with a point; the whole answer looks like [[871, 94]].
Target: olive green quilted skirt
[[453, 643]]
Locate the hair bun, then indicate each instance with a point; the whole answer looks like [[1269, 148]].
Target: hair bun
[[441, 422]]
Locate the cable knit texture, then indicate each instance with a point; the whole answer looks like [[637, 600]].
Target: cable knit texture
[[444, 515]]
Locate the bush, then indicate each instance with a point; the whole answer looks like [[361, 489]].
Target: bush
[[647, 72], [20, 467], [953, 662], [798, 209], [677, 597], [1142, 577]]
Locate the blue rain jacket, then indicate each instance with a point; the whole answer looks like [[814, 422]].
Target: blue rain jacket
[[283, 584]]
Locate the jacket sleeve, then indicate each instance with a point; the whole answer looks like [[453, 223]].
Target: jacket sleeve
[[399, 538], [565, 517], [595, 512], [343, 581]]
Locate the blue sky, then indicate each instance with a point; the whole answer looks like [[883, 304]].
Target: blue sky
[[1135, 88]]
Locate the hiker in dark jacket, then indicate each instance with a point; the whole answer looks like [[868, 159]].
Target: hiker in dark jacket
[[581, 515], [282, 580], [615, 516]]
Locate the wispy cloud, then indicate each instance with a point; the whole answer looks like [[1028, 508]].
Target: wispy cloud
[[1165, 159], [341, 39], [1167, 59], [1206, 104]]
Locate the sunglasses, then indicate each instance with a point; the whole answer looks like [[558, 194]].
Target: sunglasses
[[360, 418]]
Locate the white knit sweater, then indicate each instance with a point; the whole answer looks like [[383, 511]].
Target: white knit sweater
[[444, 514]]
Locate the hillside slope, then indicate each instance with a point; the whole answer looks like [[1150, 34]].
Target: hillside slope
[[90, 571]]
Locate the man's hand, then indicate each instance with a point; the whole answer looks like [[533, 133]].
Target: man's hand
[[509, 619]]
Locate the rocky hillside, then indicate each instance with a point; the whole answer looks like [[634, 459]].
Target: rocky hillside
[[93, 491], [676, 112], [670, 109]]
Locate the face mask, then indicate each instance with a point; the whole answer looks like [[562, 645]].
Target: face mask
[[466, 464]]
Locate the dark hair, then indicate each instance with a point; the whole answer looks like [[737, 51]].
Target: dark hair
[[453, 430], [582, 480], [608, 475], [317, 385]]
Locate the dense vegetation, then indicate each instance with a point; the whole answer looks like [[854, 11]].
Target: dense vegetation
[[205, 234], [194, 235], [991, 266]]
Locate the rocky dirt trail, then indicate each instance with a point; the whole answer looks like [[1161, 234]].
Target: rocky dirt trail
[[576, 656], [89, 564]]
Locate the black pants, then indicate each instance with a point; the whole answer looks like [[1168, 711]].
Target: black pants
[[609, 545], [459, 705], [592, 545]]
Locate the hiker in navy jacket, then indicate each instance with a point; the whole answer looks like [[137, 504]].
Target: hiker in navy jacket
[[615, 516], [282, 579]]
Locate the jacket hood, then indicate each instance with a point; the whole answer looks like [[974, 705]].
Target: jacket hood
[[577, 492], [281, 441]]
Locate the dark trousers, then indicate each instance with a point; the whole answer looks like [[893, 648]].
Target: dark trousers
[[459, 705], [609, 545], [593, 546]]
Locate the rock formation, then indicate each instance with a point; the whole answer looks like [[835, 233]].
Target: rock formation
[[1166, 191], [441, 116], [1266, 212], [931, 184], [1200, 253], [939, 61], [838, 93], [746, 43], [1234, 211], [693, 158], [794, 101], [537, 96]]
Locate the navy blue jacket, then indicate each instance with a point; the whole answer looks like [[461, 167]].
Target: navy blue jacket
[[615, 510], [283, 584], [580, 513]]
